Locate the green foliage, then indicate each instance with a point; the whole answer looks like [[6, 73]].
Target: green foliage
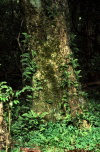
[[24, 89], [63, 136], [66, 75], [66, 79], [26, 123], [26, 38], [6, 92], [92, 115], [29, 66], [29, 129]]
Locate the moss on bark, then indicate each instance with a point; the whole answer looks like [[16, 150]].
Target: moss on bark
[[49, 38]]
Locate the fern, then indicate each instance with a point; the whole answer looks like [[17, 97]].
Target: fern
[[29, 66]]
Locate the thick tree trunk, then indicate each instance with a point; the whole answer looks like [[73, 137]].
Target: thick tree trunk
[[48, 26]]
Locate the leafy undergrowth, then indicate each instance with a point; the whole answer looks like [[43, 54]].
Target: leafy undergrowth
[[59, 137], [62, 136]]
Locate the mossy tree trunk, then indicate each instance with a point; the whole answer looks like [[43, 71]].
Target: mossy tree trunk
[[48, 24]]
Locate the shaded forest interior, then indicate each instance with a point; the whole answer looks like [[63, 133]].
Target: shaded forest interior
[[10, 69], [85, 41], [24, 124]]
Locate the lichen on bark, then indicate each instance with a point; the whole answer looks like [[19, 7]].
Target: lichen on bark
[[36, 3]]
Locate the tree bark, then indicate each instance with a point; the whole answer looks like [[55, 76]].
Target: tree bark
[[48, 25], [1, 125]]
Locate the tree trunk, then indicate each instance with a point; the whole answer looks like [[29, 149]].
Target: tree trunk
[[48, 25], [1, 125]]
